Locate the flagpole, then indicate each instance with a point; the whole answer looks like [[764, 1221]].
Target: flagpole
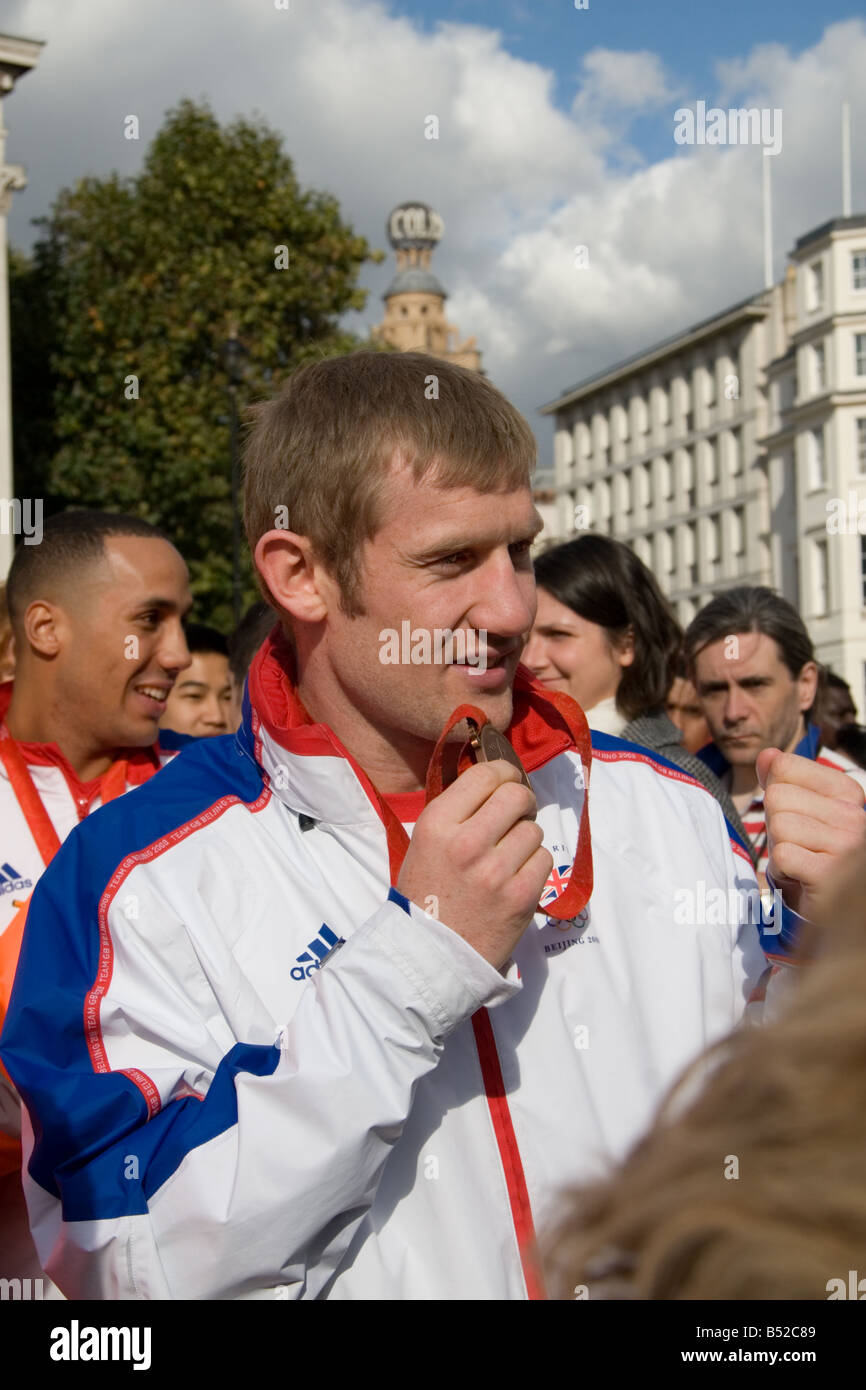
[[846, 159], [768, 222]]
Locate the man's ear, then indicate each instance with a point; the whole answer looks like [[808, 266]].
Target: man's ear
[[44, 627], [288, 567], [808, 683]]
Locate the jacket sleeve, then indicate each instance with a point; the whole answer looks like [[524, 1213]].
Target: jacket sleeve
[[173, 1159]]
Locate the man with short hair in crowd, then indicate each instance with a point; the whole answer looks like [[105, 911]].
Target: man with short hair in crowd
[[835, 708], [200, 701], [754, 669], [339, 1007], [97, 612]]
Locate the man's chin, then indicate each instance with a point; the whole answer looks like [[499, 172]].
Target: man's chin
[[741, 754], [498, 706]]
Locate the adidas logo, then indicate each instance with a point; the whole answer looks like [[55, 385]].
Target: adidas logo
[[11, 881], [324, 942]]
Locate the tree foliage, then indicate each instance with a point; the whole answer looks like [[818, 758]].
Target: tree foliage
[[133, 288]]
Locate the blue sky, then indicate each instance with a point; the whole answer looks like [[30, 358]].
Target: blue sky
[[691, 36]]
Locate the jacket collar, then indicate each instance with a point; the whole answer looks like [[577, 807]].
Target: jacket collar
[[142, 763], [716, 761], [287, 744]]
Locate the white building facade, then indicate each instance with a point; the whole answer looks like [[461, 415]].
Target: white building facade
[[735, 452]]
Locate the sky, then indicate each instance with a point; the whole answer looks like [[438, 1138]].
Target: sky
[[556, 131]]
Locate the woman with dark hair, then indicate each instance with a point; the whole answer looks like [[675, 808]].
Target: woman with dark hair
[[606, 635]]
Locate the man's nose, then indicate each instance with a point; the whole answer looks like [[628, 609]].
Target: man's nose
[[507, 609], [213, 713], [173, 652], [736, 706]]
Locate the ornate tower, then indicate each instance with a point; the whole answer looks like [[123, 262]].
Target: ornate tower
[[415, 301]]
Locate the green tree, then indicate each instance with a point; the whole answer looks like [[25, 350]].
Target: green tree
[[141, 281]]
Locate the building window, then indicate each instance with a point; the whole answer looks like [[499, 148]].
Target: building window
[[815, 285], [665, 558], [665, 479], [710, 384], [819, 365], [623, 489], [738, 537], [736, 453], [642, 485], [689, 480], [820, 579], [690, 555], [858, 270], [664, 405], [687, 403], [711, 461], [860, 354], [602, 493], [713, 547], [860, 425], [863, 570], [815, 446]]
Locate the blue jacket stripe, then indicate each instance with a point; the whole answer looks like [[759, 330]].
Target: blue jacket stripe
[[94, 1123]]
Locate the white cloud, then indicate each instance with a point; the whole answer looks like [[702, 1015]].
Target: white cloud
[[625, 81], [518, 181]]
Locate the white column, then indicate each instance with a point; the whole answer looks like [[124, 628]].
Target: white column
[[18, 56], [11, 177]]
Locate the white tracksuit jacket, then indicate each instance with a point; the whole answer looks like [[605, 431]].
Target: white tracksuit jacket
[[222, 1113]]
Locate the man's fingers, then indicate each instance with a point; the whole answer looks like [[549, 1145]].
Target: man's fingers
[[508, 805], [472, 788], [764, 761], [845, 816], [792, 862], [777, 768], [813, 834]]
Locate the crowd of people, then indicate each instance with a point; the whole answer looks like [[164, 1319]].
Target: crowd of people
[[370, 980]]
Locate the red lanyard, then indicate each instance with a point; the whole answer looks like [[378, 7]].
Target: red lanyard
[[41, 828], [579, 889]]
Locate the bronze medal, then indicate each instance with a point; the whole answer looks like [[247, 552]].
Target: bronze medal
[[488, 744]]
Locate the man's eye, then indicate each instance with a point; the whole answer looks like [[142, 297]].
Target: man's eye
[[459, 557]]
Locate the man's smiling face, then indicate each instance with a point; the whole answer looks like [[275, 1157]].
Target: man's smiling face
[[448, 559]]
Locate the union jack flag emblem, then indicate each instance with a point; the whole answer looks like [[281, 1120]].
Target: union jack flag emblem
[[555, 885]]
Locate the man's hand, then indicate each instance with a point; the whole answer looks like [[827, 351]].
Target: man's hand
[[815, 817], [478, 851]]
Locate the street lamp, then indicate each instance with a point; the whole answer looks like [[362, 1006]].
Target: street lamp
[[234, 357]]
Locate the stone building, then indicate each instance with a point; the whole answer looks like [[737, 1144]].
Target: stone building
[[731, 452]]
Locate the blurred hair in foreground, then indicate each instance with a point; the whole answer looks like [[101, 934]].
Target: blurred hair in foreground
[[788, 1101]]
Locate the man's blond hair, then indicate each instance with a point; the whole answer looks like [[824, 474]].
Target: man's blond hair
[[319, 453]]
